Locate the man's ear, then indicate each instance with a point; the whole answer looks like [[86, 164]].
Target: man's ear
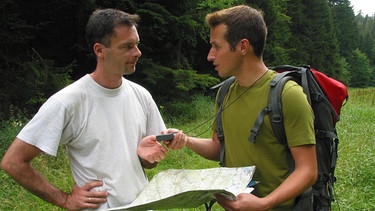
[[245, 46], [98, 49]]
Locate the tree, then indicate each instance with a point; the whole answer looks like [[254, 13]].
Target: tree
[[43, 43], [279, 34], [346, 28], [361, 72], [367, 37], [170, 39], [38, 42], [314, 39]]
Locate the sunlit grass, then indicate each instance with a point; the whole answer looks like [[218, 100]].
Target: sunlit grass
[[356, 163]]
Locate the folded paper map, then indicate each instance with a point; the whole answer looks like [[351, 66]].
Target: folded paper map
[[184, 188]]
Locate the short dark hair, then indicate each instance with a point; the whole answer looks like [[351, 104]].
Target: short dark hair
[[101, 24], [243, 22]]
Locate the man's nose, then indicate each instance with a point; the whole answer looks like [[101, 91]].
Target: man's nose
[[210, 56]]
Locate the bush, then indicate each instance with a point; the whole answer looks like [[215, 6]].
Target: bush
[[181, 112], [10, 127], [29, 83], [170, 85]]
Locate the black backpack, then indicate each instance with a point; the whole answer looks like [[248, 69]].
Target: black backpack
[[326, 97]]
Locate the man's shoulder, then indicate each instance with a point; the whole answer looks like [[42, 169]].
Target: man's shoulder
[[133, 84], [137, 88], [72, 93], [75, 85]]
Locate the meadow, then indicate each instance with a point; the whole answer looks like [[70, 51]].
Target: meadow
[[355, 172]]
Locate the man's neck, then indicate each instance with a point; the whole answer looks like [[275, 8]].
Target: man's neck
[[106, 80], [251, 74]]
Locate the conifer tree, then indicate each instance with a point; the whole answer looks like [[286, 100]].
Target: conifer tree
[[279, 34], [362, 73], [345, 25], [314, 39]]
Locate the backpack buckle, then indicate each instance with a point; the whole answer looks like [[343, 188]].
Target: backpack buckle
[[277, 118], [253, 135]]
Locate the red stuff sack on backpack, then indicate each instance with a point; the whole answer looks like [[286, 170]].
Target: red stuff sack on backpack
[[336, 91]]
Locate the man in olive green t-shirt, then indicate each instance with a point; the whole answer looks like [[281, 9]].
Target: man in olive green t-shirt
[[237, 37]]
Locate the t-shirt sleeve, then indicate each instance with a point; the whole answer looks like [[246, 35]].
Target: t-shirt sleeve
[[48, 128], [298, 116], [155, 122]]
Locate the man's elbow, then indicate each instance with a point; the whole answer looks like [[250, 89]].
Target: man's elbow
[[146, 164], [149, 165], [5, 164], [314, 176], [11, 165]]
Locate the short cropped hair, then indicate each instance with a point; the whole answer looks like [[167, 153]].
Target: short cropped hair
[[243, 22]]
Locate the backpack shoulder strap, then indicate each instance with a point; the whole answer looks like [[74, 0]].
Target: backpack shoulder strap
[[219, 124], [274, 107], [223, 90], [275, 104]]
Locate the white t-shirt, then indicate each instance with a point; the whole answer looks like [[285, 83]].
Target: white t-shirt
[[101, 129]]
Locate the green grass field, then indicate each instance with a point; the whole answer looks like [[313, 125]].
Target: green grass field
[[355, 172]]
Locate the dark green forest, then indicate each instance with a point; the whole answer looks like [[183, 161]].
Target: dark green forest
[[43, 47]]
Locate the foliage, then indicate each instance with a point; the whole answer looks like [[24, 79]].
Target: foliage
[[279, 33], [36, 58], [361, 71], [346, 31], [32, 83], [344, 71], [366, 37], [174, 34], [11, 126], [174, 38], [167, 84], [178, 113], [314, 36], [214, 5], [346, 27]]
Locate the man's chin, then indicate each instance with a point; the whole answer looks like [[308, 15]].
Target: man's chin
[[129, 72], [223, 75]]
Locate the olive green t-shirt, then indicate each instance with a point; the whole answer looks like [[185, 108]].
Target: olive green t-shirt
[[267, 154]]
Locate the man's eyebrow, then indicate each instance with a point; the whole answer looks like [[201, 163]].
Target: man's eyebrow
[[214, 43], [131, 43]]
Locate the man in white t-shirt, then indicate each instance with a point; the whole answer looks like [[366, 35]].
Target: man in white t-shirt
[[106, 123]]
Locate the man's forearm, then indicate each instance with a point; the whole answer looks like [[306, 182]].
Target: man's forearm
[[206, 148], [31, 180]]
